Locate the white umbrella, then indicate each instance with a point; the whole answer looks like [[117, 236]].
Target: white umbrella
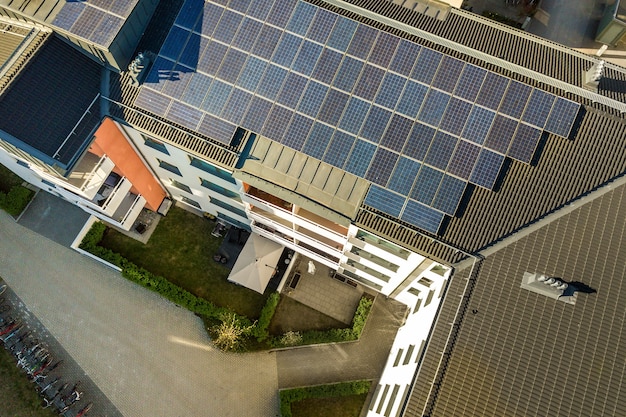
[[256, 263]]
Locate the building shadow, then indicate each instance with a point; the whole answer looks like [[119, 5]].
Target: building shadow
[[577, 286]]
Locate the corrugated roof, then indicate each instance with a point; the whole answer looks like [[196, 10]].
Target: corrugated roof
[[526, 354]]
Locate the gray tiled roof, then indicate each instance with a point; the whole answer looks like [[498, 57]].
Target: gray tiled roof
[[526, 354]]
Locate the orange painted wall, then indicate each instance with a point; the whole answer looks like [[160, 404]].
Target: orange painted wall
[[111, 141]]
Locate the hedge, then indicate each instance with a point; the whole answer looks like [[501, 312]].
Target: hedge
[[261, 330], [342, 389], [16, 200]]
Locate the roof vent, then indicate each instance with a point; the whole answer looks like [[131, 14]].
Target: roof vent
[[593, 75], [548, 286], [138, 68]]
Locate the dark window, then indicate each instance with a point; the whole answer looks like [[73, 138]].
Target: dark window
[[169, 167], [180, 186], [190, 202], [155, 144], [220, 190], [213, 170]]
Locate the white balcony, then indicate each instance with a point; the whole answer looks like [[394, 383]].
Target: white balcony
[[90, 174]]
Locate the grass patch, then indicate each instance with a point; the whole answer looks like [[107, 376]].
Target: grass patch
[[8, 179], [349, 406], [13, 196], [293, 316], [18, 397], [181, 249]]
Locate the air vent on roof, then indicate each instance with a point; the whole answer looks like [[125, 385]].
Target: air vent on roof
[[593, 76], [138, 68], [549, 286]]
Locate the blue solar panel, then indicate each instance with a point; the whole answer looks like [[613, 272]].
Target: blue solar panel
[[302, 17], [176, 84], [196, 89], [191, 53], [174, 43], [318, 140], [184, 115], [236, 106], [455, 116], [412, 99], [463, 159], [256, 115], [375, 124], [271, 82], [524, 143], [419, 141], [106, 30], [313, 98], [342, 34], [369, 82], [240, 5], [390, 90], [307, 58], [227, 26], [441, 150], [478, 124], [260, 9], [217, 129], [292, 90], [231, 65], [216, 98], [515, 99], [433, 108], [353, 116], [189, 13], [422, 216], [297, 132], [160, 71], [68, 15], [383, 49], [404, 175], [384, 200], [251, 73], [538, 108], [501, 133], [360, 158], [382, 166], [333, 106], [248, 33], [339, 149], [362, 41], [405, 57], [287, 50], [562, 117], [492, 90], [266, 42], [397, 132], [348, 73], [152, 100], [487, 169], [426, 185], [470, 82], [322, 26], [426, 66], [87, 22], [281, 12], [327, 66], [277, 121], [210, 17], [448, 74], [212, 58], [449, 195]]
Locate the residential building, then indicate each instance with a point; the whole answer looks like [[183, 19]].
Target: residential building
[[444, 160]]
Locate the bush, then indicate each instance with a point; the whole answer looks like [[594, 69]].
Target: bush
[[15, 201], [320, 391], [260, 331]]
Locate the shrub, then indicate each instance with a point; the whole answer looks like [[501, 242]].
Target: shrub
[[15, 201], [260, 331], [341, 389]]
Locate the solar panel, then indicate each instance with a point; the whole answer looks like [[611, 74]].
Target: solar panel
[[190, 55], [196, 89], [487, 169], [322, 26], [384, 200], [412, 99], [248, 33], [106, 31], [292, 90], [515, 99], [297, 132], [175, 85], [404, 175], [375, 124], [227, 26], [455, 116], [239, 5], [259, 9], [68, 15], [339, 149], [256, 114], [216, 98], [327, 66], [307, 58], [382, 166], [212, 58], [266, 42], [478, 124], [426, 65], [211, 15], [189, 13], [184, 115], [397, 132], [524, 143], [287, 50], [449, 194], [313, 98], [463, 159], [342, 34], [492, 90], [352, 118], [426, 185], [562, 117], [318, 140], [281, 12], [160, 71], [368, 83], [217, 129], [383, 49], [271, 82], [251, 73], [405, 57], [174, 43], [470, 82], [236, 106], [150, 99], [301, 19], [362, 41], [422, 216], [231, 65], [390, 90], [276, 123], [348, 73], [448, 74], [433, 108], [419, 141], [538, 108], [333, 107], [441, 150], [501, 133], [360, 158]]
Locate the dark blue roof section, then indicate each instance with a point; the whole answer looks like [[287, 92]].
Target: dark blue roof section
[[42, 110]]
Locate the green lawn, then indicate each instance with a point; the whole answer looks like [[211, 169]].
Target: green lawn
[[294, 316], [181, 249], [18, 397], [8, 179], [349, 406]]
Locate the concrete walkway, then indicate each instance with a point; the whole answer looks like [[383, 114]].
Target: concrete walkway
[[149, 357]]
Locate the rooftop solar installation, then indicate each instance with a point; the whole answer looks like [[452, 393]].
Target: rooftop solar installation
[[96, 20], [417, 123]]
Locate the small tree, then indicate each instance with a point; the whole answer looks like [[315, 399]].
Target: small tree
[[291, 339], [229, 335]]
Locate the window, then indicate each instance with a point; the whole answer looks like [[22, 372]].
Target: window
[[228, 207], [169, 167], [213, 170], [220, 190], [180, 186], [190, 202], [234, 222], [49, 184], [155, 144], [22, 163]]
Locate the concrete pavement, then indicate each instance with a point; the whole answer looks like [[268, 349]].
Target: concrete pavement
[[149, 357]]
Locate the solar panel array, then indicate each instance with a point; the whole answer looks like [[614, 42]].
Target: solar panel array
[[96, 20], [416, 123]]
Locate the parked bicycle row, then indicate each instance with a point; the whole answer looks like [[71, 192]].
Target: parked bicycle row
[[35, 359]]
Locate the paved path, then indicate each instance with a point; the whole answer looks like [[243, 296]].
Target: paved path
[[149, 357]]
